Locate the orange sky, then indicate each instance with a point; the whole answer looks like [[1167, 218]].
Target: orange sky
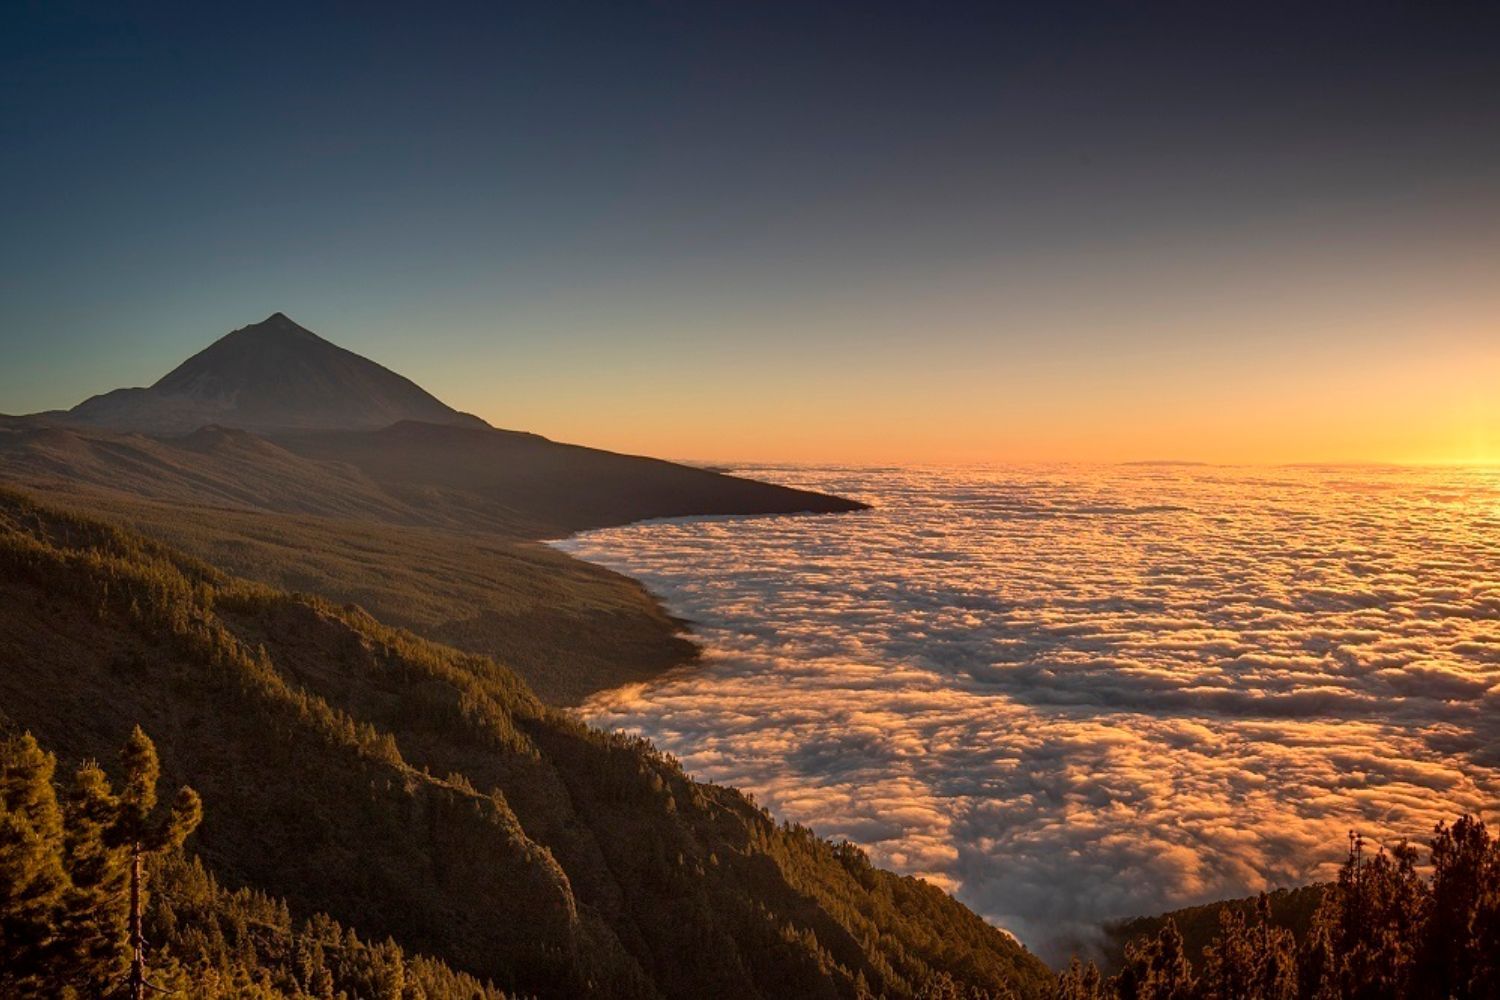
[[1388, 372], [1446, 410]]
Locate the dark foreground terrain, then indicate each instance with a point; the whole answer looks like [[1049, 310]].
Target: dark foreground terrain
[[410, 790]]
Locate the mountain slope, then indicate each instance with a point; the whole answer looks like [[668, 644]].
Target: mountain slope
[[471, 479], [272, 375], [436, 536], [379, 448], [560, 488], [213, 467], [415, 791], [1292, 909]]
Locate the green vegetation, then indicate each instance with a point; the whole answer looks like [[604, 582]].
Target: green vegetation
[[430, 528], [1290, 909], [568, 627], [1382, 930], [68, 904], [424, 795]]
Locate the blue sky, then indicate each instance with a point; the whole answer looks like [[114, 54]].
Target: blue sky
[[805, 231]]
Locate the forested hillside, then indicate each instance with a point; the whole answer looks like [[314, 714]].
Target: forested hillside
[[419, 793], [80, 918], [282, 458], [568, 627], [1389, 928], [1289, 909]]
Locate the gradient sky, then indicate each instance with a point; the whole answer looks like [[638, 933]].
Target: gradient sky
[[859, 232]]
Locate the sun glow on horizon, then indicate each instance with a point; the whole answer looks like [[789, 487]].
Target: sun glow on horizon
[[1389, 405]]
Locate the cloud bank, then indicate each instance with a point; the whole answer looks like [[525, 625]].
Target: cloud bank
[[1075, 694]]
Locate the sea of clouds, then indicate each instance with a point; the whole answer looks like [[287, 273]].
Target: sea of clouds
[[1071, 694]]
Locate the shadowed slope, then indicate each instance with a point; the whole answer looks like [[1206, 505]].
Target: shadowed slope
[[553, 857], [213, 467], [453, 560], [564, 487]]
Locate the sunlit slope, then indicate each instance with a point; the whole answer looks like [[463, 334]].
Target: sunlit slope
[[568, 627], [1199, 925], [417, 791]]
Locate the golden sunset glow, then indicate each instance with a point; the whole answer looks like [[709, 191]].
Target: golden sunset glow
[[1432, 401], [750, 501]]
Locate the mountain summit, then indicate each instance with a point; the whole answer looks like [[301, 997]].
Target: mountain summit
[[270, 376]]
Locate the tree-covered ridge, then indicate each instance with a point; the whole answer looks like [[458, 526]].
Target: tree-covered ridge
[[1384, 929], [1290, 909], [67, 909], [424, 794]]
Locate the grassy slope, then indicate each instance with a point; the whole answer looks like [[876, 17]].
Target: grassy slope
[[475, 581], [438, 535], [568, 627], [414, 790]]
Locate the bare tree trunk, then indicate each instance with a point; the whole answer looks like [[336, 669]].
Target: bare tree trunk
[[137, 940]]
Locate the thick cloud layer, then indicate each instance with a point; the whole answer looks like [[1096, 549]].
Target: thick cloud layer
[[1074, 694]]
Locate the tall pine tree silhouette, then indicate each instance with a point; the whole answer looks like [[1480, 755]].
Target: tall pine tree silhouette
[[143, 829]]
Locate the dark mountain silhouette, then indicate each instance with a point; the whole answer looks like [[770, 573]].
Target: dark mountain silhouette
[[429, 523], [272, 375], [412, 456], [559, 488]]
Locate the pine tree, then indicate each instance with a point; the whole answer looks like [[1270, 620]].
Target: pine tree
[[144, 830], [1457, 956], [1080, 982], [1277, 971], [93, 922], [940, 986], [1250, 961], [1157, 969], [32, 878]]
